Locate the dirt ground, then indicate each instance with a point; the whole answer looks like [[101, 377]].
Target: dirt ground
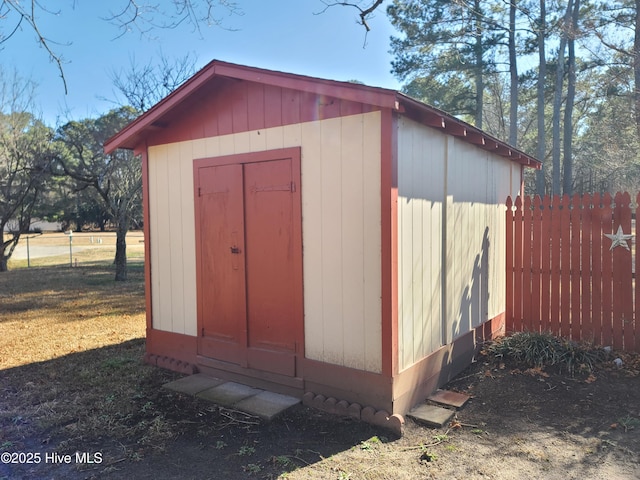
[[97, 406], [517, 425]]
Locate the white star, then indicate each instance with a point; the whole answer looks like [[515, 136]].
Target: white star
[[619, 239]]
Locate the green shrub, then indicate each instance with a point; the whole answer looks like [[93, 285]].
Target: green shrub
[[540, 350]]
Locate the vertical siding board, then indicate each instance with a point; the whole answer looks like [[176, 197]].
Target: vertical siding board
[[239, 107], [255, 106], [188, 151], [332, 242], [212, 147], [607, 272], [210, 122], [405, 248], [290, 106], [257, 141], [272, 106], [174, 217], [353, 240], [575, 272], [349, 108], [241, 142], [587, 293], [372, 248], [162, 241], [153, 159], [417, 259], [292, 135], [565, 266], [312, 190], [438, 223], [274, 138], [310, 106]]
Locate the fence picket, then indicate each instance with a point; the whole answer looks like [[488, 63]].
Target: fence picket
[[517, 264], [545, 318], [527, 301], [607, 272], [536, 265], [574, 307], [587, 297], [623, 293], [596, 272], [556, 261], [565, 267], [510, 270]]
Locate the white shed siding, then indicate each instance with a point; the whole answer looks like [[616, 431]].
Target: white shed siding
[[462, 275], [421, 175], [340, 226]]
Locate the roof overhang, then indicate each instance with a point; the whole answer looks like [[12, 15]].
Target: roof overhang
[[440, 120]]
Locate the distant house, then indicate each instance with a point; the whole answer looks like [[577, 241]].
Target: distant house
[[37, 225], [324, 239]]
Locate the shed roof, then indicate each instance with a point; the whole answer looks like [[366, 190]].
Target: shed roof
[[133, 135]]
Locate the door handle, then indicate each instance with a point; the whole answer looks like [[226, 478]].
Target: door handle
[[235, 250]]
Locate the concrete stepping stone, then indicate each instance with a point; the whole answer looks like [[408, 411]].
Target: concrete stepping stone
[[193, 384], [431, 415], [266, 405], [449, 398], [253, 401], [228, 393]]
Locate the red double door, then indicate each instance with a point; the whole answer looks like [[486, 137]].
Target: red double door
[[249, 257]]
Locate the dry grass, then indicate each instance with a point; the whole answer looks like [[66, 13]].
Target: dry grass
[[77, 309]]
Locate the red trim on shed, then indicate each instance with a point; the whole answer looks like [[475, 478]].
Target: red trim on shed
[[389, 242], [147, 238]]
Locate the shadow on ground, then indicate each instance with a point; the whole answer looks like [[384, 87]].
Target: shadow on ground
[[106, 401]]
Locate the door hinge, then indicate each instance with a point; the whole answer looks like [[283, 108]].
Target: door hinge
[[202, 332], [293, 187], [199, 192]]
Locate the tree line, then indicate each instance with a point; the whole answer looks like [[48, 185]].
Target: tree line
[[62, 174], [557, 79]]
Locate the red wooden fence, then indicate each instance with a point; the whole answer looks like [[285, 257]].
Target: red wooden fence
[[562, 275]]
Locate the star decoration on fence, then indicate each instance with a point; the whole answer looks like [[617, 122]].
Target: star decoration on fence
[[619, 239]]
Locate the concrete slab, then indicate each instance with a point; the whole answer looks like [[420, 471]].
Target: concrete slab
[[193, 384], [449, 398], [431, 415], [228, 393], [266, 405]]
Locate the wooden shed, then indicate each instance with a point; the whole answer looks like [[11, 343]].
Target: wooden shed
[[330, 240]]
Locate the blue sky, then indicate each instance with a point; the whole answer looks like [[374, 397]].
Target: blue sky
[[278, 34]]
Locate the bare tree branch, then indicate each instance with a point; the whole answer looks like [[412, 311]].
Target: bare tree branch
[[140, 15], [365, 13], [29, 16]]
